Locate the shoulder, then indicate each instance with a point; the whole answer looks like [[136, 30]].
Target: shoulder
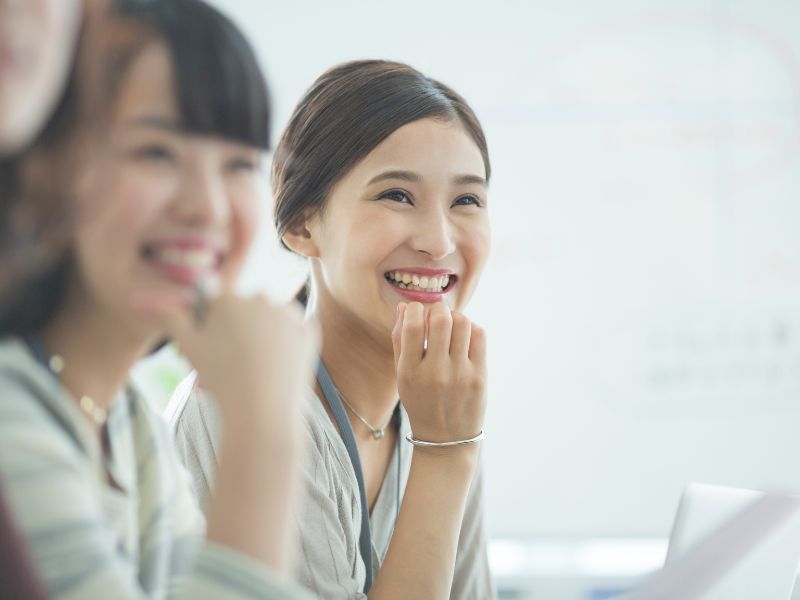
[[326, 446], [20, 371], [35, 407], [193, 413], [180, 399], [318, 424]]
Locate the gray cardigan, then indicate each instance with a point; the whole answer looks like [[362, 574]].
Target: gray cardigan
[[330, 519]]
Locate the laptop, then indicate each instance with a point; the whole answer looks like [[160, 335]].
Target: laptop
[[729, 544]]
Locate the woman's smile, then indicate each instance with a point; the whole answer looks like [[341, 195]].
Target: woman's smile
[[184, 261], [418, 284]]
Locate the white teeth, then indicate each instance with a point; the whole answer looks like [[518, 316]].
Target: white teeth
[[420, 283], [193, 259]]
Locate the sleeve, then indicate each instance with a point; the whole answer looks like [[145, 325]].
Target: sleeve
[[197, 433], [329, 564], [55, 497], [329, 519], [472, 579]]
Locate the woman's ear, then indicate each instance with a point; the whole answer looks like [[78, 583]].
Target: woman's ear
[[300, 239]]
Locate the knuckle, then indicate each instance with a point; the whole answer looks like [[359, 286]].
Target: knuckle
[[477, 383], [440, 320], [460, 320]]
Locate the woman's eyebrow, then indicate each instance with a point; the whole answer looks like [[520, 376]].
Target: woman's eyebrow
[[469, 179], [415, 177], [396, 174]]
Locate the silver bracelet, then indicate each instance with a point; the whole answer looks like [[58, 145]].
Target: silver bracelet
[[412, 440]]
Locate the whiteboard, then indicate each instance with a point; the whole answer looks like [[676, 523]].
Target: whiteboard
[[643, 296]]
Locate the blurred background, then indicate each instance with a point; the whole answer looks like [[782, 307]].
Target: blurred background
[[643, 297]]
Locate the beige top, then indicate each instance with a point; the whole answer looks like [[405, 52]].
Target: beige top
[[330, 519]]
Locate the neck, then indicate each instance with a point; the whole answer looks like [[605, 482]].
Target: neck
[[361, 366], [98, 352]]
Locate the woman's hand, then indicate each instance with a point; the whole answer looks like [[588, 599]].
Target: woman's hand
[[443, 386], [254, 356]]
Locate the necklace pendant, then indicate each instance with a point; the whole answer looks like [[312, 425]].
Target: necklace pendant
[[377, 433]]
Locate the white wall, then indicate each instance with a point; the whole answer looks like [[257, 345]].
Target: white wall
[[643, 300]]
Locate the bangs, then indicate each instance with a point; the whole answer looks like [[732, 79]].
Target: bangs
[[220, 88]]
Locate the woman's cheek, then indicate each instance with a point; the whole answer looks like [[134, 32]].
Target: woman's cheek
[[246, 207]]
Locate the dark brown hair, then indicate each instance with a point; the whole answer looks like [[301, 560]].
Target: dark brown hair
[[345, 114], [220, 90]]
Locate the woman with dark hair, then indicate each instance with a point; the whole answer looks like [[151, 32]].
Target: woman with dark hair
[[380, 180], [161, 210]]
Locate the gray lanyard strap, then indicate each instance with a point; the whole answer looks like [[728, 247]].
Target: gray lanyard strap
[[346, 431]]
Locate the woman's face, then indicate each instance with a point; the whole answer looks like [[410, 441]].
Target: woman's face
[[37, 39], [408, 223], [159, 208]]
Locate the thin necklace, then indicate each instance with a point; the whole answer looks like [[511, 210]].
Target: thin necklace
[[90, 408], [377, 432]]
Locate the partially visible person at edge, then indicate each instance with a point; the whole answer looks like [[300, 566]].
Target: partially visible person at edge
[[38, 47], [37, 44], [165, 206], [380, 180], [37, 41]]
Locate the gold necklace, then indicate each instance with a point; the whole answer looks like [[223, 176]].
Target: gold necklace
[[377, 432], [90, 408]]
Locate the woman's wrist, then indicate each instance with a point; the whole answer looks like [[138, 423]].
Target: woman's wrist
[[415, 441], [455, 459]]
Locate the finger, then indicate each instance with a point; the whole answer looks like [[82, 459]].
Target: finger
[[477, 346], [440, 325], [207, 306], [397, 331], [459, 339], [412, 337]]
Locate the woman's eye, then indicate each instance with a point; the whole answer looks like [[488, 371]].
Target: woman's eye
[[467, 200], [155, 152], [244, 165], [396, 196]]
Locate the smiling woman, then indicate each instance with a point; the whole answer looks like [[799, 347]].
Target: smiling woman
[[380, 180], [163, 210]]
